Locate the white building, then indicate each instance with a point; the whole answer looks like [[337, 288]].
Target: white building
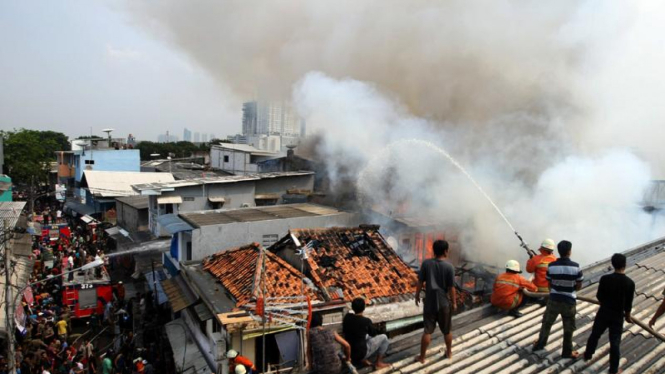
[[228, 192], [269, 118], [238, 159]]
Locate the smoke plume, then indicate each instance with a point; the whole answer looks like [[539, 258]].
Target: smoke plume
[[552, 107]]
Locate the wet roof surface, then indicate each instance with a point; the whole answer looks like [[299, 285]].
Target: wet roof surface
[[497, 343]]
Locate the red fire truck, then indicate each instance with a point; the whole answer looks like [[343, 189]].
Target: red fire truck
[[56, 231], [86, 293]]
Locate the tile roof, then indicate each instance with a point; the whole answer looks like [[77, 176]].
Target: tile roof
[[496, 343], [239, 271], [371, 270]]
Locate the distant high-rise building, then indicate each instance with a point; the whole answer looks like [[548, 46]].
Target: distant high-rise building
[[197, 137], [167, 138], [212, 136], [187, 135], [269, 118], [204, 138]]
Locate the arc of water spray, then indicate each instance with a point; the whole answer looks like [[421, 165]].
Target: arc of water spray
[[443, 152]]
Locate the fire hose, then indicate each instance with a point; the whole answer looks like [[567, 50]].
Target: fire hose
[[643, 325], [524, 245]]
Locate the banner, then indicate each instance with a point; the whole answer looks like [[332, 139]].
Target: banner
[[20, 317]]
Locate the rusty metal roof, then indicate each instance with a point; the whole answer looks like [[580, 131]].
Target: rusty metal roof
[[490, 343]]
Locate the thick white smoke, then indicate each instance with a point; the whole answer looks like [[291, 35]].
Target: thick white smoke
[[591, 200], [553, 107]]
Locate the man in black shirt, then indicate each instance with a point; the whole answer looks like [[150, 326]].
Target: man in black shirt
[[615, 293], [438, 277], [361, 335]]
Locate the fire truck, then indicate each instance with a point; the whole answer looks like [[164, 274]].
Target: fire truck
[[56, 231], [87, 292]]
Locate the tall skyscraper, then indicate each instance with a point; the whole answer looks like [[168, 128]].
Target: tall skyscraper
[[269, 118], [197, 137], [187, 135], [204, 138]]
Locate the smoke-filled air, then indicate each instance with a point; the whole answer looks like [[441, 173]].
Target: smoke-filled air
[[553, 108]]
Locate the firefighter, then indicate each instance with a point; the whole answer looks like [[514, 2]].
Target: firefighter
[[538, 265], [508, 286], [237, 360]]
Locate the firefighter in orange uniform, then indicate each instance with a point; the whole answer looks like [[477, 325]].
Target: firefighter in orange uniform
[[538, 265], [508, 286]]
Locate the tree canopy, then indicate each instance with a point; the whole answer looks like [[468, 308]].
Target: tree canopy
[[28, 153]]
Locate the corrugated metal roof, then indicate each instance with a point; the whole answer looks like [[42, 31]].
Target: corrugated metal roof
[[172, 223], [136, 202], [220, 217], [245, 148], [178, 293], [500, 344], [11, 210], [169, 186], [119, 183]]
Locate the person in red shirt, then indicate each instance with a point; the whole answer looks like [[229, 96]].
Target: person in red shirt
[[236, 359], [537, 265], [507, 292]]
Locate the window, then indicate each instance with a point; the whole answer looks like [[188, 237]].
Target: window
[[87, 298], [188, 198], [168, 208], [188, 255], [217, 205], [226, 158], [269, 240], [89, 162]]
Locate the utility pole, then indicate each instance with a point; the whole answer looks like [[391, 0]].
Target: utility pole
[[9, 303]]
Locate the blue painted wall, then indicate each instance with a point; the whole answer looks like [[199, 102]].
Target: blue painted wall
[[108, 160]]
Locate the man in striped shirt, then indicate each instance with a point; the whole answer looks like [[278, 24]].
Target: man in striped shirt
[[565, 277]]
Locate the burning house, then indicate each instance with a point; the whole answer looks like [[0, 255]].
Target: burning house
[[324, 269]]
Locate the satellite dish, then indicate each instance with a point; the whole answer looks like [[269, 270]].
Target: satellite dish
[[108, 131]]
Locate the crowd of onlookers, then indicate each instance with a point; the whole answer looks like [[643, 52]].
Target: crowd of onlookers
[[50, 341]]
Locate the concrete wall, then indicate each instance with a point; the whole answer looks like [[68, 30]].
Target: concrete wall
[[208, 240], [108, 160], [130, 218], [280, 185], [236, 195]]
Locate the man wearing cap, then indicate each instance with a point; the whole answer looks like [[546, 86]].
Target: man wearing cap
[[236, 359], [507, 292], [537, 265]]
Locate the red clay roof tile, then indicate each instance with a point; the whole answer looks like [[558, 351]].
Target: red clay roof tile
[[239, 271]]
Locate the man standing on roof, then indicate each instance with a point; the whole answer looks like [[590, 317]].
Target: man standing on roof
[[507, 291], [438, 277], [565, 278], [538, 265], [615, 293]]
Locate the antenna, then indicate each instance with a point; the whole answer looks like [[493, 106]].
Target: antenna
[[108, 133]]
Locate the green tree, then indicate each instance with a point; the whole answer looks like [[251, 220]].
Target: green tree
[[28, 154]]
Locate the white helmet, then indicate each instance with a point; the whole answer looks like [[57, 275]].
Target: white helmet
[[513, 266], [548, 244], [240, 369], [231, 354]]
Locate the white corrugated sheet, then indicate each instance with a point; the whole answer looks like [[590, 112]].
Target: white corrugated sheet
[[119, 183]]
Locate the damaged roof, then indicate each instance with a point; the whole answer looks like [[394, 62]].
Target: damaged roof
[[240, 269], [355, 262], [490, 343]]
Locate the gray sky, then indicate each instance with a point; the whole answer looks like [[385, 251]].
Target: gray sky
[[71, 65]]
